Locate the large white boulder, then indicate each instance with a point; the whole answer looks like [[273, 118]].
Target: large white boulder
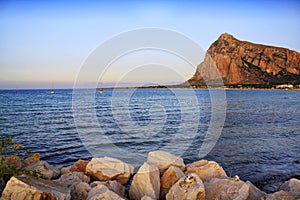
[[206, 170], [189, 187], [105, 169], [28, 188], [145, 182], [163, 160]]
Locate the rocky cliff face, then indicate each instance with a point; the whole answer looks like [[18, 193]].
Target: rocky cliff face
[[245, 63]]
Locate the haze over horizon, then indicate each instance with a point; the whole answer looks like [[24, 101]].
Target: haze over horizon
[[48, 41]]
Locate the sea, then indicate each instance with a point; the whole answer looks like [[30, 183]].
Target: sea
[[257, 135]]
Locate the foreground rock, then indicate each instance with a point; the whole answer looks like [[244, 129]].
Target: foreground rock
[[227, 188], [147, 198], [292, 186], [189, 187], [78, 166], [101, 192], [72, 177], [281, 195], [27, 188], [114, 186], [145, 182], [163, 179], [105, 169], [169, 178], [163, 160], [80, 190], [45, 170], [206, 170]]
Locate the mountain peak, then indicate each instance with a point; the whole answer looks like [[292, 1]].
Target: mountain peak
[[246, 63], [226, 36]]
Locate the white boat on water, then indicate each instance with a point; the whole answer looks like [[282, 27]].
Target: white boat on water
[[52, 90], [100, 89]]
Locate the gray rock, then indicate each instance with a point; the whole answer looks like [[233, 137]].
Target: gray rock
[[28, 188], [80, 190], [145, 182], [65, 170], [70, 178], [44, 169], [189, 187]]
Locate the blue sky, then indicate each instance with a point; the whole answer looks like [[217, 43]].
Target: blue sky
[[47, 41]]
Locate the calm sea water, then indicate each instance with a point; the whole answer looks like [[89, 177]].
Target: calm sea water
[[259, 141]]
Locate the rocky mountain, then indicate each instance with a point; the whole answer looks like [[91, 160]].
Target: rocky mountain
[[246, 63]]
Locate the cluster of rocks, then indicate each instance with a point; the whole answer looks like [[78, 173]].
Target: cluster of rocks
[[163, 176]]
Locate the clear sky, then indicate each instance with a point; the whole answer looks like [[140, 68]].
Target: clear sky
[[47, 41]]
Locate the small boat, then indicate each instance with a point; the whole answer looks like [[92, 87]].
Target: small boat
[[52, 90], [100, 89]]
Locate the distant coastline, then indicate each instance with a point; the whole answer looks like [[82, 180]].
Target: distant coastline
[[204, 87]]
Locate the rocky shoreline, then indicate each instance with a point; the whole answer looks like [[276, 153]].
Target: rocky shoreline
[[162, 176]]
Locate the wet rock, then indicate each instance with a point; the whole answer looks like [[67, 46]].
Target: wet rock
[[227, 188], [189, 187], [105, 169], [28, 188], [145, 182], [80, 190], [45, 170], [114, 186], [292, 186], [163, 160], [72, 177], [281, 195], [206, 170], [101, 192], [169, 178]]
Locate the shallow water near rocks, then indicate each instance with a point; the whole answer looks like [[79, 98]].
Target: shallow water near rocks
[[259, 141]]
